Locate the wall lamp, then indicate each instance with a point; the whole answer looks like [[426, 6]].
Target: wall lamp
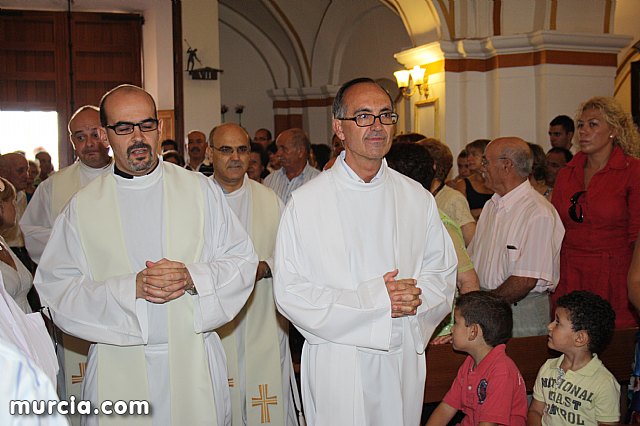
[[404, 78]]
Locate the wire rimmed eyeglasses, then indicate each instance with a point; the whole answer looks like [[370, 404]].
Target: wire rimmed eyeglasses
[[366, 119], [575, 210], [229, 150], [126, 128], [484, 162]]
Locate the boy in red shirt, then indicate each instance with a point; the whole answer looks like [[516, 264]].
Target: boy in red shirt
[[489, 388]]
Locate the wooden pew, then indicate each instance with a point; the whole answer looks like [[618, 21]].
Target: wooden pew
[[529, 353]]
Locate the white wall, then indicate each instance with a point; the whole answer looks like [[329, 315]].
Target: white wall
[[245, 81], [157, 54], [201, 97], [562, 88], [369, 53]]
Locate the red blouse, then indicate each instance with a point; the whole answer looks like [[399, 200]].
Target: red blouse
[[596, 253]]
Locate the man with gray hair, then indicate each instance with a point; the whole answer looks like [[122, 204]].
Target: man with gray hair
[[14, 167], [293, 152], [516, 248]]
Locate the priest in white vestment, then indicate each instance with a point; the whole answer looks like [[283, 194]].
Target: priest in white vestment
[[54, 192], [130, 268], [365, 270], [256, 342]]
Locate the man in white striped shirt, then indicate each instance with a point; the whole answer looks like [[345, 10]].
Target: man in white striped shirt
[[293, 150], [516, 247]]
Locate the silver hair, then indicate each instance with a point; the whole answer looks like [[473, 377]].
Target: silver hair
[[521, 157]]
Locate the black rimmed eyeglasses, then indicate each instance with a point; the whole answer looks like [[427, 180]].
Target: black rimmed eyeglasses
[[366, 119], [575, 210], [126, 128]]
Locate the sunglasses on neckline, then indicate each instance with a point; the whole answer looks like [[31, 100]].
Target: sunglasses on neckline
[[575, 210]]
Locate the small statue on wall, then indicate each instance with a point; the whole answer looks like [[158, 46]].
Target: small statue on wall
[[192, 57], [202, 73]]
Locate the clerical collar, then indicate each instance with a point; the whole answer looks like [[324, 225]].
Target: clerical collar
[[126, 175]]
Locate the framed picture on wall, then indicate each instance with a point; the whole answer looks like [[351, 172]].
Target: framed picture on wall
[[425, 117]]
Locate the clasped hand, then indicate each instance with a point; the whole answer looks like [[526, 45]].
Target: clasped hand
[[404, 294], [162, 281]]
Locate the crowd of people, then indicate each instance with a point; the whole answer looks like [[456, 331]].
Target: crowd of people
[[174, 279]]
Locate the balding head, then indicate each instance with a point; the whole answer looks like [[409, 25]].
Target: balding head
[[506, 164], [293, 150], [15, 168], [223, 130], [231, 148], [123, 90], [86, 138]]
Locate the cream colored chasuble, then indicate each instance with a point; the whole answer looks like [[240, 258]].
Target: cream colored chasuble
[[65, 184], [264, 403], [122, 373]]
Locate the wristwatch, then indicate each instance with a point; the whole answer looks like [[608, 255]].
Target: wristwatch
[[191, 289], [267, 273]]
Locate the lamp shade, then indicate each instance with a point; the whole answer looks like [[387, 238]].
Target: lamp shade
[[417, 75], [402, 78]]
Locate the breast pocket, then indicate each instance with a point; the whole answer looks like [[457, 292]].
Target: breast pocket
[[513, 253]]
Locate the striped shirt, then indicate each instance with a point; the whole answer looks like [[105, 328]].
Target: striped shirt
[[281, 185], [518, 234]]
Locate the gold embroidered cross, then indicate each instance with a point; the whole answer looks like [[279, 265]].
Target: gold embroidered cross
[[230, 382], [78, 379], [263, 401]]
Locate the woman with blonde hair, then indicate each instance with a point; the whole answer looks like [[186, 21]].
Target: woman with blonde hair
[[598, 196], [17, 278]]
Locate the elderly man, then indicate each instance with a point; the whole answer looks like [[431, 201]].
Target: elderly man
[[46, 166], [516, 248], [256, 345], [365, 289], [197, 149], [128, 267], [293, 152], [15, 168], [54, 193]]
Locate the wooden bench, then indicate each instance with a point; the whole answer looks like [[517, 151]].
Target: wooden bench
[[529, 353]]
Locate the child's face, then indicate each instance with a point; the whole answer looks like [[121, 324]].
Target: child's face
[[561, 333], [459, 331]]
